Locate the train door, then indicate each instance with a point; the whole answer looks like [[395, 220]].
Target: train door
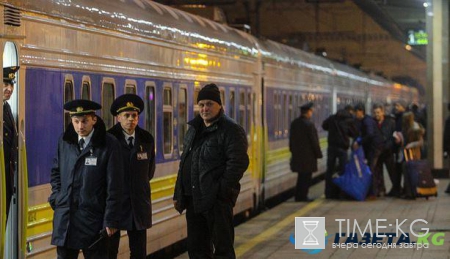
[[13, 227]]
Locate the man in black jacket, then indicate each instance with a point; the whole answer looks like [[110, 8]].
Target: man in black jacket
[[138, 153], [341, 127], [86, 181], [214, 160], [386, 125], [371, 140], [10, 135], [305, 150]]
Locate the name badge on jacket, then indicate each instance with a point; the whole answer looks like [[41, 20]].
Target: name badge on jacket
[[90, 161], [142, 156]]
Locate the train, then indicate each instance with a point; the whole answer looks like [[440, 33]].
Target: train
[[100, 49]]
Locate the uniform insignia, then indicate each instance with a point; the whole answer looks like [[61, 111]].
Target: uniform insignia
[[79, 109]]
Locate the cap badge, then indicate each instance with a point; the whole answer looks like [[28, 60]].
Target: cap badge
[[79, 109], [130, 104]]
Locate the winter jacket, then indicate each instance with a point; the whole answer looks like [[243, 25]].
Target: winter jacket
[[85, 198], [218, 162], [139, 168]]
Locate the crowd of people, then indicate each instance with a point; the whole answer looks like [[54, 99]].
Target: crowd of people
[[382, 136]]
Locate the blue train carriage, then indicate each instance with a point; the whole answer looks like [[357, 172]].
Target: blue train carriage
[[291, 78], [87, 49]]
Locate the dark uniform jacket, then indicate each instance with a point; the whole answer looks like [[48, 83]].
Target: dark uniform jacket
[[10, 142], [139, 168], [218, 163], [304, 146], [85, 198], [340, 126]]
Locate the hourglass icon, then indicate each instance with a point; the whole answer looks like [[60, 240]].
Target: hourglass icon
[[310, 239]]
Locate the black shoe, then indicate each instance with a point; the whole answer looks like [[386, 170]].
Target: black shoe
[[393, 193]]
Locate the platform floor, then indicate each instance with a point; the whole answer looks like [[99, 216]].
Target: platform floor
[[268, 234]]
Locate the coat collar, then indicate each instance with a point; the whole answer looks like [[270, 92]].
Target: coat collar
[[117, 131], [98, 138], [197, 122]]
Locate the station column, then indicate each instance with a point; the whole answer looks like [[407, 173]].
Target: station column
[[437, 92]]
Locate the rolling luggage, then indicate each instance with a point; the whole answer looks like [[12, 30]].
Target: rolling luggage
[[419, 181]]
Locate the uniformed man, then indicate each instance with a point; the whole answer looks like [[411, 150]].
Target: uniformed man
[[86, 182], [10, 136], [138, 154], [305, 150]]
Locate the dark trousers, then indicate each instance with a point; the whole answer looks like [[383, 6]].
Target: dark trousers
[[9, 177], [397, 184], [99, 252], [303, 184], [137, 241], [386, 158], [372, 157], [332, 191], [210, 234]]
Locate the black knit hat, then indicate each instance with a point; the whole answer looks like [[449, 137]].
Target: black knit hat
[[209, 92]]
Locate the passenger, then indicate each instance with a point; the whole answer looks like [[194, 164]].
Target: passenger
[[446, 142], [138, 153], [341, 128], [419, 116], [86, 182], [399, 109], [412, 136], [305, 149], [10, 135], [386, 125], [214, 159], [371, 140]]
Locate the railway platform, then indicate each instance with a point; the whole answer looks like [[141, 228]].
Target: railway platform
[[271, 234]]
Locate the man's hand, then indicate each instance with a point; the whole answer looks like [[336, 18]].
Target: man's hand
[[110, 231]]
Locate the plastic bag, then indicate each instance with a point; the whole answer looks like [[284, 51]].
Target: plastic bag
[[357, 177]]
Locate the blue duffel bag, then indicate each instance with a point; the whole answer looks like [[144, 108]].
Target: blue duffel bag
[[357, 177]]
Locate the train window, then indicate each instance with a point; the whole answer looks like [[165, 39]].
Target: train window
[[86, 90], [232, 104], [275, 105], [196, 91], [249, 112], [182, 116], [167, 120], [130, 86], [284, 122], [242, 109], [68, 96], [222, 98], [150, 107], [108, 94], [290, 115]]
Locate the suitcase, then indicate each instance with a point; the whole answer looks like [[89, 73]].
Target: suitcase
[[419, 181]]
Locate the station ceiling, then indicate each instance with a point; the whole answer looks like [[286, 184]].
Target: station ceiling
[[396, 16]]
